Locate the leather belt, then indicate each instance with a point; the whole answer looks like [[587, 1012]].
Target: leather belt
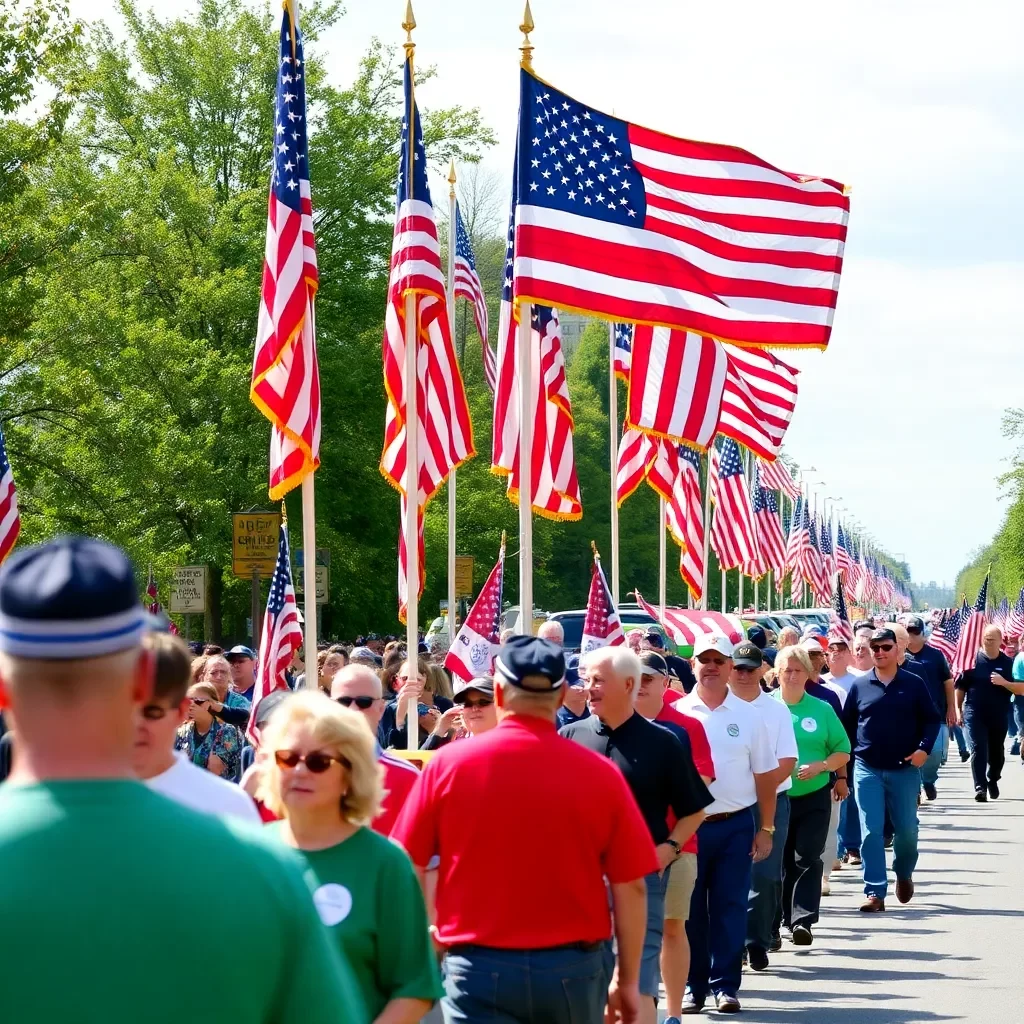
[[724, 815]]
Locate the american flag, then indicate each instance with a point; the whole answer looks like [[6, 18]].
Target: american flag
[[468, 286], [843, 562], [602, 626], [798, 551], [282, 634], [623, 350], [758, 400], [684, 625], [445, 436], [817, 574], [403, 563], [1001, 614], [633, 225], [556, 489], [733, 533], [285, 374], [153, 607], [637, 453], [473, 652], [10, 519], [973, 625], [1014, 621], [675, 475], [774, 476], [827, 555], [946, 634], [770, 539], [839, 617]]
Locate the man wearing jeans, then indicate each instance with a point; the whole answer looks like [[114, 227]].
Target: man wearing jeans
[[892, 723], [931, 665]]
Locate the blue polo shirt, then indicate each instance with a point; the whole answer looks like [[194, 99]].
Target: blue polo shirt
[[566, 717], [931, 665], [830, 697], [888, 722]]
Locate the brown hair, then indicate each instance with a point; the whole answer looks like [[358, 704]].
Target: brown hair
[[438, 682], [212, 649], [173, 672], [206, 689], [389, 673], [199, 667]]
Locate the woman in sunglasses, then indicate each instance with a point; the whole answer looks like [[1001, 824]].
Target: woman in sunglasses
[[472, 713], [208, 743], [321, 776]]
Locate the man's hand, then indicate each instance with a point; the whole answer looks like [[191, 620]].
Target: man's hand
[[951, 718], [623, 1002], [666, 854], [762, 846], [917, 758], [840, 791], [997, 679]]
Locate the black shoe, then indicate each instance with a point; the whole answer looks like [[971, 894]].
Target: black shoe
[[888, 842], [776, 944], [981, 796], [726, 1003], [964, 755], [929, 790], [802, 935], [691, 1004], [993, 790], [757, 958]]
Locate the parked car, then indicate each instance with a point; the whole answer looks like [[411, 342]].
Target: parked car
[[809, 617], [632, 616]]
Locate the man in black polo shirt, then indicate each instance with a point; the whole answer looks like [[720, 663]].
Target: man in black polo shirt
[[659, 769], [931, 665], [892, 723]]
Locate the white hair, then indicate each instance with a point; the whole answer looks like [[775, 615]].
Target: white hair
[[623, 661], [552, 630]]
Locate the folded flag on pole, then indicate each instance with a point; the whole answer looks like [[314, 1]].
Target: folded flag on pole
[[282, 634], [839, 617], [285, 375], [633, 225], [971, 630], [601, 626], [473, 652], [623, 350], [468, 286], [733, 533]]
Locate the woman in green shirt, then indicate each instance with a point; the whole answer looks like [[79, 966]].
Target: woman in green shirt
[[822, 748], [321, 777]]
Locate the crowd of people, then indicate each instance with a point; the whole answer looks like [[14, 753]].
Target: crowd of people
[[585, 832]]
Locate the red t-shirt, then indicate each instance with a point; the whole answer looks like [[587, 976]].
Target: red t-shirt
[[399, 778], [527, 826], [699, 748]]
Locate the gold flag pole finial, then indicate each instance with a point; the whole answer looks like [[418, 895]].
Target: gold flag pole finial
[[409, 24], [593, 547], [503, 541], [284, 513], [292, 7], [451, 179], [526, 48]]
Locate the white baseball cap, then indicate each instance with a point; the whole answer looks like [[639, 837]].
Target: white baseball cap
[[712, 642]]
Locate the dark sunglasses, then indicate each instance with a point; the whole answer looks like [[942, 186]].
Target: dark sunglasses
[[477, 703], [913, 631], [154, 712], [363, 703], [199, 700], [316, 763], [882, 647]]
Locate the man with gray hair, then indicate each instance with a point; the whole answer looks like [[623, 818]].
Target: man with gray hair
[[533, 946], [552, 630]]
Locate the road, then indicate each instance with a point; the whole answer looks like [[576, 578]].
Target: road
[[952, 954]]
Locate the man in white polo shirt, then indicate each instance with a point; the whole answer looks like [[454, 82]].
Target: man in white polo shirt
[[729, 840], [764, 916]]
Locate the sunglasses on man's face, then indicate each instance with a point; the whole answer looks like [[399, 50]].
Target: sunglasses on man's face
[[316, 763], [882, 647], [363, 703]]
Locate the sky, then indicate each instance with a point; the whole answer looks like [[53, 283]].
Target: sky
[[915, 105]]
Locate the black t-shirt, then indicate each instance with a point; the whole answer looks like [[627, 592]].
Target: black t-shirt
[[931, 665], [980, 690], [657, 765]]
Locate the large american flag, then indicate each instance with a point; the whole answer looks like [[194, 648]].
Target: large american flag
[[733, 532], [10, 518], [556, 489], [758, 400], [468, 286], [285, 375], [282, 634], [473, 652], [602, 626], [684, 625], [623, 350], [445, 436], [633, 225], [1015, 619], [971, 630], [770, 539], [775, 476]]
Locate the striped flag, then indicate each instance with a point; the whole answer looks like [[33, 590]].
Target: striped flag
[[946, 634], [473, 652], [1014, 621], [675, 476], [403, 559], [636, 454], [843, 562], [798, 555], [602, 626], [774, 476], [839, 617], [445, 436], [733, 533], [10, 518], [684, 625], [817, 574], [970, 634], [153, 605], [633, 225], [828, 557], [758, 400], [556, 489], [770, 540], [623, 350], [1001, 614], [282, 634], [285, 375], [468, 286]]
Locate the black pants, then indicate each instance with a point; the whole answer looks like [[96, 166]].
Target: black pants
[[809, 818], [986, 735]]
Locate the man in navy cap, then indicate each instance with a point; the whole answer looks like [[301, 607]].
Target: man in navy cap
[[242, 660], [574, 706], [92, 863], [522, 908]]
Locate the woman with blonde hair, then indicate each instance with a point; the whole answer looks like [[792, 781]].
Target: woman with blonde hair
[[320, 774], [207, 742]]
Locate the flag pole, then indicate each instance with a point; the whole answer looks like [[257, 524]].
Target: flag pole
[[704, 601], [525, 358], [723, 590], [451, 328], [613, 458], [662, 557], [412, 422]]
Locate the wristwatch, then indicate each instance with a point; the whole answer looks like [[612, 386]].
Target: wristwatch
[[675, 846], [770, 829]]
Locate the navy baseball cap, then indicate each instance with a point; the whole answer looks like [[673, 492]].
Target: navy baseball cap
[[70, 598], [655, 637], [913, 624], [757, 636], [882, 634], [572, 670], [530, 656], [240, 651]]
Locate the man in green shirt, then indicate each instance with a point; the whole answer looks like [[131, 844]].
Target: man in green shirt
[[103, 892]]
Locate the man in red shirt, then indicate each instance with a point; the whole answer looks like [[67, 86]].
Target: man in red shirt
[[653, 701], [522, 906], [359, 688]]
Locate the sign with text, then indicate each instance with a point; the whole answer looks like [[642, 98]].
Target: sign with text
[[323, 573], [254, 543], [463, 575], [188, 591]]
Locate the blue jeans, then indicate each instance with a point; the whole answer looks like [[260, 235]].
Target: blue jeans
[[545, 986], [961, 743], [718, 911], [650, 961], [892, 790], [930, 769], [766, 881], [849, 823], [1016, 721]]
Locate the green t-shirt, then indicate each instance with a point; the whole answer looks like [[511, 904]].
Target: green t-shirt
[[112, 897], [371, 902], [819, 733]]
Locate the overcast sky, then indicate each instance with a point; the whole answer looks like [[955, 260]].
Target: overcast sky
[[915, 105]]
